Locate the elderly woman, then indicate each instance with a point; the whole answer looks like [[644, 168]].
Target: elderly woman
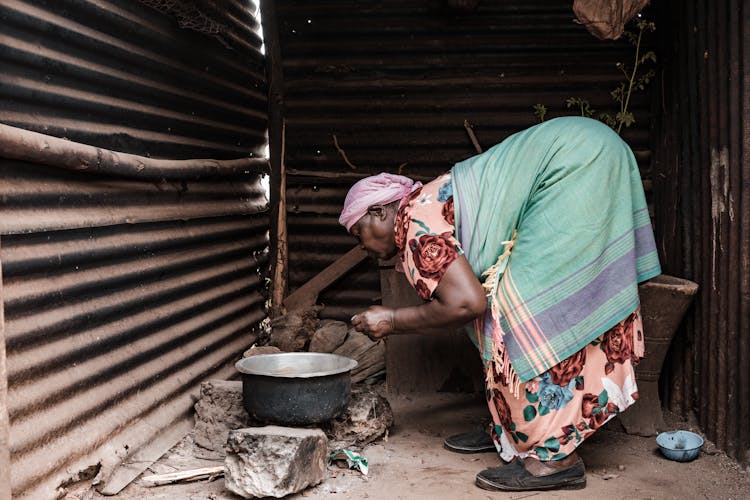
[[538, 245]]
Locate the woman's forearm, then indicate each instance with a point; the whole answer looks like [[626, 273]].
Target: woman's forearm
[[431, 317]]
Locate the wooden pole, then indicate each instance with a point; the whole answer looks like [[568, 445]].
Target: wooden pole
[[280, 274], [4, 421], [21, 144], [276, 137]]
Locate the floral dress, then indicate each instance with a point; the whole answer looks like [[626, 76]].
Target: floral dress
[[556, 411]]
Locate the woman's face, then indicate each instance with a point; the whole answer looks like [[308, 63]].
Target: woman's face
[[375, 232]]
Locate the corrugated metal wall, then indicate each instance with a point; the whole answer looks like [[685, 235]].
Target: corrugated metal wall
[[394, 82], [121, 295], [703, 180]]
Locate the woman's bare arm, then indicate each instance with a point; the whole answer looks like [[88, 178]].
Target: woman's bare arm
[[458, 299]]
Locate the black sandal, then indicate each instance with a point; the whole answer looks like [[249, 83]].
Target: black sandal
[[470, 442], [515, 477]]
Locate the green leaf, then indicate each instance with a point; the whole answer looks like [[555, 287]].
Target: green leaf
[[603, 398], [422, 225], [542, 452], [523, 437], [419, 233], [529, 413], [552, 444], [540, 111], [515, 438], [543, 410], [512, 426], [498, 429], [532, 397], [558, 456]]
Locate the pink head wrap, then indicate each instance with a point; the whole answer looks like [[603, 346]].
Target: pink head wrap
[[378, 189]]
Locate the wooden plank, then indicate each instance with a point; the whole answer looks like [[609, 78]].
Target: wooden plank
[[307, 294]]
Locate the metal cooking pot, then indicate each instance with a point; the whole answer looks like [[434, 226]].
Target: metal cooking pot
[[296, 388]]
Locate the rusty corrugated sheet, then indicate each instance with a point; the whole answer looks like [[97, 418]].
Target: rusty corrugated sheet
[[122, 76], [705, 213], [395, 80], [120, 296]]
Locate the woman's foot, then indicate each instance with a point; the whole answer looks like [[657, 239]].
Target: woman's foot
[[533, 475], [470, 442]]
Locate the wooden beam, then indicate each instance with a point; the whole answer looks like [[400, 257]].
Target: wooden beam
[[21, 144], [307, 294]]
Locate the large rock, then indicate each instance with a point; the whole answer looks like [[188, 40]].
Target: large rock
[[218, 411], [370, 355], [329, 336], [274, 461], [292, 331], [367, 417]]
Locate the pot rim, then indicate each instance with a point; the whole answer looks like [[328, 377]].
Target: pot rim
[[346, 365]]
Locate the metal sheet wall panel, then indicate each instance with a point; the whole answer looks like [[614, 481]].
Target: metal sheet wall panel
[[96, 316], [702, 178], [394, 82], [120, 296], [119, 75]]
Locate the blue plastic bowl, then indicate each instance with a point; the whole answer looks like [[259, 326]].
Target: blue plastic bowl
[[681, 446]]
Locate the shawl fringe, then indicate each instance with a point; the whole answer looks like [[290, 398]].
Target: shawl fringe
[[500, 355]]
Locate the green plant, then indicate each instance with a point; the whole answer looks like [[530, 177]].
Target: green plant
[[540, 111], [633, 81], [622, 94], [583, 105]]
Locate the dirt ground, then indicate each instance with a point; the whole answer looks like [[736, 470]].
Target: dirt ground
[[411, 464]]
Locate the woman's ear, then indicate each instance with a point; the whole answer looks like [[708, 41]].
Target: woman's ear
[[378, 211]]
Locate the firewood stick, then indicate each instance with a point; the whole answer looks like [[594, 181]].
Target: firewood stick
[[184, 475], [470, 130]]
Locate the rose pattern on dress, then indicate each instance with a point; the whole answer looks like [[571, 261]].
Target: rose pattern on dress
[[409, 198], [422, 289], [568, 369], [401, 227], [432, 254], [503, 410], [551, 395], [617, 344], [449, 212], [597, 409], [445, 192]]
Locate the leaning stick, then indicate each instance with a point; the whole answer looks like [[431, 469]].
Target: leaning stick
[[470, 130], [184, 475], [342, 153]]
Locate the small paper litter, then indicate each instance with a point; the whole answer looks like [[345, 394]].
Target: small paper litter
[[352, 459]]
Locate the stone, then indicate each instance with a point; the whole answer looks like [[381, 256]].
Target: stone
[[274, 461], [292, 331], [370, 355], [329, 336], [255, 350], [367, 417], [219, 410]]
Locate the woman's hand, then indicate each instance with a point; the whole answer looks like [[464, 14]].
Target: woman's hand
[[376, 322]]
